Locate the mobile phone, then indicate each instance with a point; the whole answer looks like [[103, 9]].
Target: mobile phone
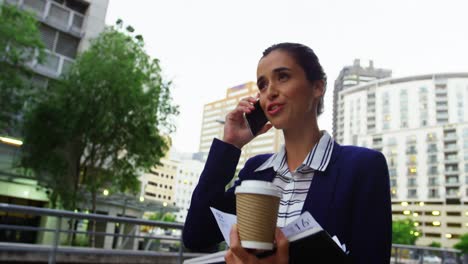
[[256, 119]]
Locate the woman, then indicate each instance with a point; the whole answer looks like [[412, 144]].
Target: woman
[[345, 188]]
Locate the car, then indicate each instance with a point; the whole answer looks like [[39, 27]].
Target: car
[[430, 259]]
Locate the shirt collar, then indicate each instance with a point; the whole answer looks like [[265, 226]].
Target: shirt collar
[[317, 159]]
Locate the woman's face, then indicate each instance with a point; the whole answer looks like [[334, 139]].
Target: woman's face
[[287, 97]]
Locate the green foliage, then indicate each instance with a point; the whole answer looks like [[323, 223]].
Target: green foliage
[[20, 43], [462, 244], [404, 232], [166, 217], [435, 244], [103, 122]]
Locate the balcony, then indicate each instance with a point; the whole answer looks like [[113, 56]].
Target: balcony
[[442, 121], [443, 115], [377, 145], [53, 66], [54, 14], [452, 148], [442, 108], [440, 92], [452, 195], [452, 182], [441, 98], [451, 161], [450, 137], [451, 172]]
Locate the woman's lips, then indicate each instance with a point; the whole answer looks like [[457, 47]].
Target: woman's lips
[[274, 109]]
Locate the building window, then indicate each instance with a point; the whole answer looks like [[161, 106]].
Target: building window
[[433, 170], [412, 182], [59, 42], [433, 193], [412, 193], [412, 171], [433, 181]]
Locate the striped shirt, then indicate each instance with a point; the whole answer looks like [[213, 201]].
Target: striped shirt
[[295, 185]]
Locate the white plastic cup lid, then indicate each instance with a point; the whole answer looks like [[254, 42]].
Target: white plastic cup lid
[[258, 187]]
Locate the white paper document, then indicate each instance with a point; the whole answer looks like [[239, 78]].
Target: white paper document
[[305, 222], [225, 222], [302, 226]]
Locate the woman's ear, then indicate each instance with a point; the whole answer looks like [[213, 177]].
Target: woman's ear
[[319, 88]]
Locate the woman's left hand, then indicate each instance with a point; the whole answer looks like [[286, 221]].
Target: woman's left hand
[[238, 255]]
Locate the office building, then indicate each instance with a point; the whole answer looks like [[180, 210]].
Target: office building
[[158, 184], [420, 124], [188, 173], [358, 73], [214, 114], [66, 27]]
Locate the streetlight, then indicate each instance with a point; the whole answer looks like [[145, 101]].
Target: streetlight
[[105, 192], [11, 141]]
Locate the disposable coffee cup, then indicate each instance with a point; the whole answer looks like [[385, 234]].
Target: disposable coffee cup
[[257, 204]]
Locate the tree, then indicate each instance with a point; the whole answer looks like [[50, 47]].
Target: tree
[[20, 42], [435, 244], [166, 217], [103, 123], [404, 232], [462, 244]]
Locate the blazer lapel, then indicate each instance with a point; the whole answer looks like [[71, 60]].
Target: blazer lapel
[[322, 190], [264, 175]]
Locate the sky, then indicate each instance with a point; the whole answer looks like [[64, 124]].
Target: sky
[[208, 46]]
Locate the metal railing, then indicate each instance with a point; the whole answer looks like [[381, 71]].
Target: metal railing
[[421, 255], [54, 14], [400, 253], [54, 248]]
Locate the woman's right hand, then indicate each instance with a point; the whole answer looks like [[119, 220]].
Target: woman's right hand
[[236, 129]]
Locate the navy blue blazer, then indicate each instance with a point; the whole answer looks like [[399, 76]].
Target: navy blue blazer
[[350, 199]]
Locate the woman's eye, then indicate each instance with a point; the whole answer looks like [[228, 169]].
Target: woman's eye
[[261, 85], [283, 76]]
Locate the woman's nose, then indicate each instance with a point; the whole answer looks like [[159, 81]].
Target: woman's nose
[[272, 92]]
